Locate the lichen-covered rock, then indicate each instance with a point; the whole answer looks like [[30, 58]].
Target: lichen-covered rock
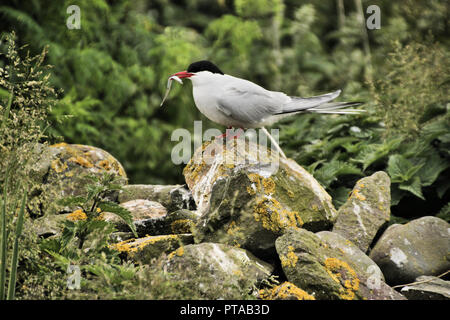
[[48, 225], [427, 288], [120, 236], [248, 197], [366, 211], [145, 249], [419, 247], [216, 270], [173, 197], [152, 218], [336, 242], [330, 267], [61, 170], [285, 291]]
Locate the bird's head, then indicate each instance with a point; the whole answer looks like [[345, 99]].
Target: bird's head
[[199, 69]]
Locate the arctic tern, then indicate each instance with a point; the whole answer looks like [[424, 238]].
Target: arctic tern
[[239, 103]]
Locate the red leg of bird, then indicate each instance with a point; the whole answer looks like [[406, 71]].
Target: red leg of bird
[[223, 135], [238, 133]]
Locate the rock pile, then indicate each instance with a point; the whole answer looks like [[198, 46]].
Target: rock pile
[[243, 219]]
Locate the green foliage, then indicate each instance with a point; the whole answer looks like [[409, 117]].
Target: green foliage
[[25, 102], [416, 77], [112, 74], [15, 255], [88, 219], [412, 150], [85, 238]]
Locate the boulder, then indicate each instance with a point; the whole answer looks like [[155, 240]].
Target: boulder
[[145, 249], [330, 267], [366, 210], [61, 170], [48, 225], [173, 197], [152, 218], [285, 291], [216, 270], [247, 196], [419, 247], [427, 288]]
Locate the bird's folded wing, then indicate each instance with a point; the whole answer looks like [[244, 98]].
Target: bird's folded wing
[[298, 103], [250, 104]]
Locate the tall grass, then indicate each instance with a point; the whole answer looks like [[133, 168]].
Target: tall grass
[[5, 232], [3, 242]]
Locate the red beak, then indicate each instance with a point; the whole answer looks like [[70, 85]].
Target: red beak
[[183, 74]]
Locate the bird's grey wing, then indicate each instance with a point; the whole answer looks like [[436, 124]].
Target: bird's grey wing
[[298, 103], [250, 103]]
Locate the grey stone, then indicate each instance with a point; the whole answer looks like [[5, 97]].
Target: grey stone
[[173, 197], [366, 210], [245, 201], [216, 270], [427, 288], [152, 218], [329, 267], [62, 170], [419, 247]]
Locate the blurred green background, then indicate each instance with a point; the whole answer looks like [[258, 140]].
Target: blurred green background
[[112, 74]]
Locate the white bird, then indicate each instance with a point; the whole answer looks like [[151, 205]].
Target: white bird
[[235, 102]]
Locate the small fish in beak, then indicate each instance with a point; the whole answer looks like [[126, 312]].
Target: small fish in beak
[[169, 85]]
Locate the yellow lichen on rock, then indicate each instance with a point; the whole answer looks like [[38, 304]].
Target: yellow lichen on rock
[[355, 193], [192, 170], [57, 145], [290, 194], [69, 174], [104, 164], [179, 252], [131, 246], [77, 215], [265, 185], [182, 226], [343, 274], [123, 246], [286, 290], [58, 166], [232, 228], [274, 217], [81, 161], [290, 259], [101, 215], [269, 185], [251, 191]]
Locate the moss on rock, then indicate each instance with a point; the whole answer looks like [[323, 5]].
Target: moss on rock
[[248, 200], [145, 249], [419, 247], [366, 211], [285, 291], [314, 263], [216, 270], [61, 170]]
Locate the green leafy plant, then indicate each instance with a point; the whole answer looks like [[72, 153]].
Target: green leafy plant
[[88, 218], [3, 245]]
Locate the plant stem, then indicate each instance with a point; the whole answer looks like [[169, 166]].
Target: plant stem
[[13, 272], [419, 282], [341, 13], [365, 38], [8, 108], [3, 241]]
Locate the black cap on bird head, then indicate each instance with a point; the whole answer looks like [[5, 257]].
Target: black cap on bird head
[[204, 65]]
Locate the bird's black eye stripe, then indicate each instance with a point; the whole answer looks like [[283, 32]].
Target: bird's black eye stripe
[[204, 65]]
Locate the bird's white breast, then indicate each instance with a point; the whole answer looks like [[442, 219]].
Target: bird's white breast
[[207, 90]]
